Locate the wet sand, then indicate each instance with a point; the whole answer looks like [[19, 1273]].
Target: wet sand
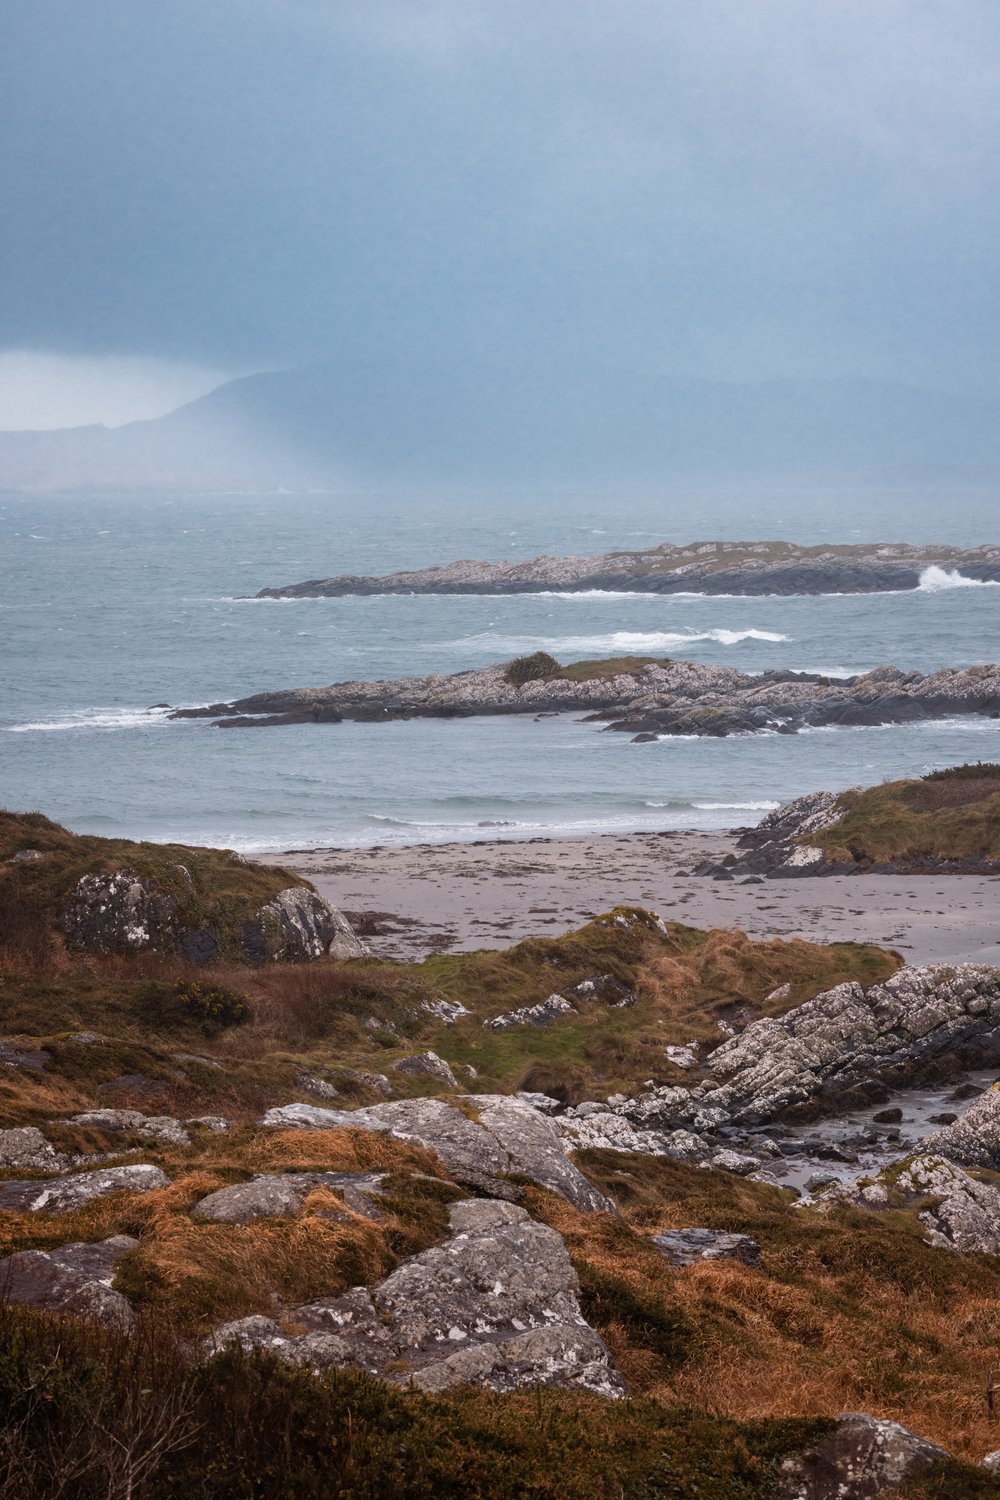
[[459, 897]]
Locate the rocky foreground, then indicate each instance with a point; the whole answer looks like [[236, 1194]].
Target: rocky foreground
[[701, 567], [644, 697]]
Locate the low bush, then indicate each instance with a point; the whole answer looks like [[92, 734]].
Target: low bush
[[530, 668]]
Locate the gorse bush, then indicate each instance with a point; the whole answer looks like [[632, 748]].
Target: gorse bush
[[530, 668], [216, 1006]]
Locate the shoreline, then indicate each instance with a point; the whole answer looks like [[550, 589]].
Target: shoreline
[[491, 893]]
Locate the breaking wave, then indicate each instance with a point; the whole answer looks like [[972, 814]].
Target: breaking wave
[[933, 580], [619, 640]]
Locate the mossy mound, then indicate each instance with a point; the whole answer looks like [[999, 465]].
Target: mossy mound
[[948, 817]]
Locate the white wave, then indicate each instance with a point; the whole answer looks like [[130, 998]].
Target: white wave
[[736, 806], [96, 718], [934, 580], [619, 640]]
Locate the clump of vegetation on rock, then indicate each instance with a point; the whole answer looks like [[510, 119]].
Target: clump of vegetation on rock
[[531, 668]]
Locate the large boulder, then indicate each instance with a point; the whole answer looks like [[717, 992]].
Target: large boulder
[[500, 1137], [125, 912], [74, 1279], [25, 1148], [863, 1458], [495, 1306], [61, 1195]]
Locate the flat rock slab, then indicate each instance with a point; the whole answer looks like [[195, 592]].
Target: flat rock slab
[[496, 1306], [685, 1247], [282, 1195], [153, 1127], [61, 1195], [509, 1138], [862, 1459], [74, 1279]]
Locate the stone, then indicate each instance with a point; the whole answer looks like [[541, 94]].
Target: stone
[[862, 1459], [216, 1123], [957, 1211], [14, 1055], [973, 1140], [298, 924], [604, 987], [684, 1247], [508, 1138], [497, 1306], [736, 1161], [74, 1279], [542, 1014], [26, 1148], [991, 1461], [682, 1057], [61, 1195], [161, 1128], [888, 1117], [427, 1065], [448, 1011], [281, 1195], [318, 1087]]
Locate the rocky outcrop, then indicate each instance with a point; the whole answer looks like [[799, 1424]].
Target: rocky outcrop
[[656, 697], [919, 1022], [282, 1195], [124, 912], [504, 1137], [61, 1195], [495, 1306], [685, 1247], [957, 1211], [542, 1014], [862, 1459], [73, 1279], [701, 567], [162, 1128], [974, 1140]]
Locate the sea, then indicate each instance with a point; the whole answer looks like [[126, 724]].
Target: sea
[[112, 605]]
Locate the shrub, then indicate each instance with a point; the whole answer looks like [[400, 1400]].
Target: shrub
[[530, 668], [212, 1006]]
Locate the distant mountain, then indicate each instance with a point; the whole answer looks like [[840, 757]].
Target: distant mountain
[[484, 425]]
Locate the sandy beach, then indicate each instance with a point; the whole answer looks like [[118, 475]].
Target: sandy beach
[[489, 894]]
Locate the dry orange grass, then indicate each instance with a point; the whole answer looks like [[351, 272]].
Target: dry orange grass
[[336, 1151], [807, 1336]]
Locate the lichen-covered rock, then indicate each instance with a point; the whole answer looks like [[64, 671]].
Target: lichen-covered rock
[[973, 1140], [849, 1038], [61, 1195], [684, 1247], [542, 1014], [74, 1279], [508, 1138], [124, 912], [120, 913], [496, 1306], [281, 1195], [427, 1065], [862, 1459], [957, 1211], [298, 924], [163, 1128], [26, 1148]]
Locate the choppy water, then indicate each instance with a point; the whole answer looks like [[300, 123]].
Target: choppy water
[[110, 605]]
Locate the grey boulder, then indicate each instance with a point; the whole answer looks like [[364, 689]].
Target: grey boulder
[[427, 1065], [26, 1148], [162, 1128], [974, 1140], [508, 1138], [74, 1279], [61, 1195], [495, 1306], [282, 1196]]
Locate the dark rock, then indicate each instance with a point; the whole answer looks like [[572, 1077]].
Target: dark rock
[[888, 1117], [73, 1279], [683, 1247], [33, 1059], [948, 1118], [862, 1459]]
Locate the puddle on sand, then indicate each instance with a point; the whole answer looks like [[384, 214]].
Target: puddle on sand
[[849, 1130]]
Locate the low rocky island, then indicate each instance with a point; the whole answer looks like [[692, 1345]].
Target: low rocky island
[[644, 696], [702, 567]]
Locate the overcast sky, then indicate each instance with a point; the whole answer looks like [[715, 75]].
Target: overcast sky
[[735, 188]]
